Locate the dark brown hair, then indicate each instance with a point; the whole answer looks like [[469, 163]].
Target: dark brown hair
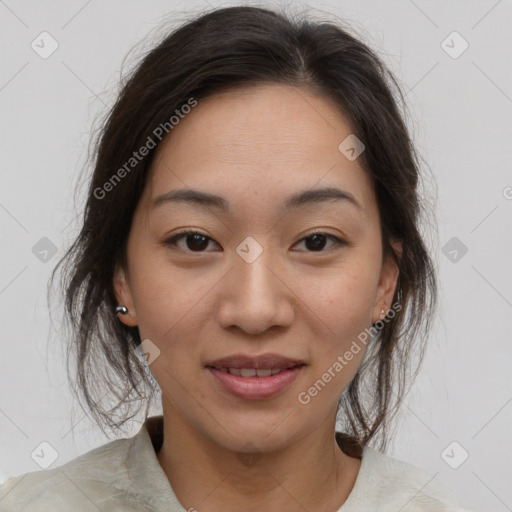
[[229, 47]]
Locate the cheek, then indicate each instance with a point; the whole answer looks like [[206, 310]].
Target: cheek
[[341, 318], [342, 299], [175, 313], [170, 314], [340, 309]]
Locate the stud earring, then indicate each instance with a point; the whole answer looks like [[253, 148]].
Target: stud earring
[[121, 309], [382, 313]]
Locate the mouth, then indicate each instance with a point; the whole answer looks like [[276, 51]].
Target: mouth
[[251, 372], [255, 378]]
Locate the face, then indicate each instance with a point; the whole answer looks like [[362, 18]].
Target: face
[[256, 244]]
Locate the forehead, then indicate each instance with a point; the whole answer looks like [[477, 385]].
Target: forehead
[[267, 137]]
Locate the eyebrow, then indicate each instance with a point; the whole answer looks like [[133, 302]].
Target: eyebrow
[[301, 199]]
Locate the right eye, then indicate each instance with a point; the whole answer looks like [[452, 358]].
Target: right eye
[[190, 241]]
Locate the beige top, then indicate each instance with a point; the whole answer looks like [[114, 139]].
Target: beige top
[[125, 476]]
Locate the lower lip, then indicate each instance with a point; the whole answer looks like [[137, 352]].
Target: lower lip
[[255, 388]]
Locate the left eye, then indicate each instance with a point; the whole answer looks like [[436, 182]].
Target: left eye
[[197, 242], [317, 242]]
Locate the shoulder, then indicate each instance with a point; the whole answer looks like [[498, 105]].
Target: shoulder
[[83, 481], [389, 484]]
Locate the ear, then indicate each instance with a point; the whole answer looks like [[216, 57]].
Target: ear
[[124, 297], [387, 282]]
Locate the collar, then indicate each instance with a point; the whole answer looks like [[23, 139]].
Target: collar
[[149, 482]]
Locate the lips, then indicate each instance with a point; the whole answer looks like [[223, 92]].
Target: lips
[[252, 372], [264, 362], [255, 378]]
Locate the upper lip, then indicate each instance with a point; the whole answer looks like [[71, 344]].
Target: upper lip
[[262, 362]]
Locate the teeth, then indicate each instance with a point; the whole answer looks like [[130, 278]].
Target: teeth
[[251, 372]]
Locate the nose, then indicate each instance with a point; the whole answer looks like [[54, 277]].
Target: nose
[[255, 297]]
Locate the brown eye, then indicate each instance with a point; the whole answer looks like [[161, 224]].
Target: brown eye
[[190, 241], [317, 242]]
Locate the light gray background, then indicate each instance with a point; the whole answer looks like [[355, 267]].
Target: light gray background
[[461, 115]]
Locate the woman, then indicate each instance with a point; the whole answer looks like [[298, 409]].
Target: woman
[[251, 243]]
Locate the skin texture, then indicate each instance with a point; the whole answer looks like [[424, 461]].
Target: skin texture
[[255, 146]]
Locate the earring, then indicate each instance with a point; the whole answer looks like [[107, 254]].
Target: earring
[[382, 313], [121, 309]]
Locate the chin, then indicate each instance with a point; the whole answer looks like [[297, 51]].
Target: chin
[[252, 434]]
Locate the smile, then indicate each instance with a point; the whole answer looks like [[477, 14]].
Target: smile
[[254, 383], [251, 372]]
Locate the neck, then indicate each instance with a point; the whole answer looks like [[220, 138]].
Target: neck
[[312, 474]]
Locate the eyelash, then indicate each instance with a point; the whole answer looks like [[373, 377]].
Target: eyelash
[[183, 234]]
